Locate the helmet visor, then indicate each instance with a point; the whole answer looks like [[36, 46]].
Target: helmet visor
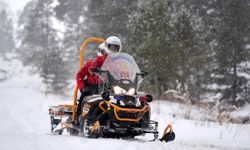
[[113, 48]]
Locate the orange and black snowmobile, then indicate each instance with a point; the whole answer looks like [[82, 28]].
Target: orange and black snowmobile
[[117, 107]]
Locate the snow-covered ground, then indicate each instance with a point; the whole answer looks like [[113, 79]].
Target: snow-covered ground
[[25, 123]]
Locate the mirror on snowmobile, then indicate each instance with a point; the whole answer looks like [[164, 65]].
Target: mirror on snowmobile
[[149, 98], [143, 74]]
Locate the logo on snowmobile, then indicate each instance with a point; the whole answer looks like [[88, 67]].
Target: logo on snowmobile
[[85, 109], [123, 66]]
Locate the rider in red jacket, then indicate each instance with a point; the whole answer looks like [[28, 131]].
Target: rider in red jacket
[[84, 76], [87, 81]]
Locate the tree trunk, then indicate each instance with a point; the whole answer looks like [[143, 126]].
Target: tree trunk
[[234, 94], [157, 87]]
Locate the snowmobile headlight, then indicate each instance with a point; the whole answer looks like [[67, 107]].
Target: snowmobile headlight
[[118, 90], [131, 91]]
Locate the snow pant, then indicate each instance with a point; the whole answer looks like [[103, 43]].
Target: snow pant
[[89, 90]]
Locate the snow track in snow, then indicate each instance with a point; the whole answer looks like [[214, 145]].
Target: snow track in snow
[[25, 125]]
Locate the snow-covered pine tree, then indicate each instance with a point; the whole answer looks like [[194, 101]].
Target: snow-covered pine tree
[[232, 51], [109, 17], [40, 45], [168, 45], [6, 33], [150, 27], [187, 48], [73, 13], [95, 18]]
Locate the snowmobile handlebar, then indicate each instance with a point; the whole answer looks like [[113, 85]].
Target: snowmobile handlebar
[[97, 70]]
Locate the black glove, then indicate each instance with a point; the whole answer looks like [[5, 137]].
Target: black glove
[[150, 98], [105, 96]]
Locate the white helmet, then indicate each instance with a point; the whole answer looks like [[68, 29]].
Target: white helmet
[[102, 50], [113, 44]]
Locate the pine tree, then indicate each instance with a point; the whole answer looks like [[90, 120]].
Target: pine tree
[[150, 29], [73, 14], [95, 18], [6, 33], [39, 45], [108, 17], [190, 59], [231, 49], [169, 43]]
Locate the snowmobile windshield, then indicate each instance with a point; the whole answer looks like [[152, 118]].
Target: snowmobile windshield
[[121, 66]]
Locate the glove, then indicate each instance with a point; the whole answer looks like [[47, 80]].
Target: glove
[[105, 96], [96, 127], [150, 98], [145, 99]]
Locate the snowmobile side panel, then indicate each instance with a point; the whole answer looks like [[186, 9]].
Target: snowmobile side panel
[[138, 112]]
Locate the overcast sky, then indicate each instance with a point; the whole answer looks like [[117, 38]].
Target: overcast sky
[[16, 5]]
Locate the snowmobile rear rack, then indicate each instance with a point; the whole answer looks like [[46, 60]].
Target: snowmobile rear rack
[[71, 109], [61, 110], [58, 112]]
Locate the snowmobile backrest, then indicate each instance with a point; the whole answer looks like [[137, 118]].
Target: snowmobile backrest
[[92, 98]]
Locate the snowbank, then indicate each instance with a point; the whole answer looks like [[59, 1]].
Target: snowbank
[[26, 125]]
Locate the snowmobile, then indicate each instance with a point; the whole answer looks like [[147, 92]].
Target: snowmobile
[[125, 114]]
